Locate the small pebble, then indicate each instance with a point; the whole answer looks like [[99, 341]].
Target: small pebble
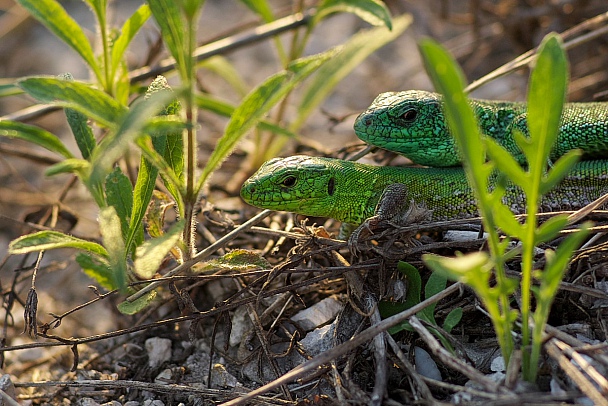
[[425, 365], [159, 351]]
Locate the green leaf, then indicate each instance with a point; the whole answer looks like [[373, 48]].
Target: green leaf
[[505, 162], [550, 229], [57, 20], [208, 102], [373, 12], [237, 260], [146, 177], [559, 170], [557, 263], [82, 132], [98, 7], [546, 97], [222, 67], [350, 55], [412, 296], [111, 148], [261, 8], [38, 136], [169, 143], [505, 219], [130, 308], [473, 268], [76, 166], [50, 240], [76, 95], [192, 7], [119, 194], [9, 88], [97, 269], [452, 319], [80, 128], [127, 32], [258, 103], [168, 17], [159, 162], [434, 285], [111, 232], [155, 215], [150, 255], [449, 81]]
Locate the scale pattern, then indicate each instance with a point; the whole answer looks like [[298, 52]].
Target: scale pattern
[[349, 191], [412, 123]]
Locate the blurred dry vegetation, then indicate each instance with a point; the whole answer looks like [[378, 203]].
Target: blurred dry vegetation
[[482, 34]]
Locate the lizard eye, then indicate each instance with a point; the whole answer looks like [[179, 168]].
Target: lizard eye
[[289, 181], [409, 115]]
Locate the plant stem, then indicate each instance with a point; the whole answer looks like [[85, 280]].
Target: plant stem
[[191, 145]]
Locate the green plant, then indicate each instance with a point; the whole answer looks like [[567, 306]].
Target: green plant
[[435, 284], [163, 124], [545, 100]]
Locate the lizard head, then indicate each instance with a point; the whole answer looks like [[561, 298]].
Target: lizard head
[[300, 184], [411, 123]]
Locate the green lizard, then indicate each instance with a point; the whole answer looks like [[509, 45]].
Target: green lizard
[[350, 192], [412, 123]]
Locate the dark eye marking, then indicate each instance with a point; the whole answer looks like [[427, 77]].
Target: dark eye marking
[[409, 115], [289, 181], [331, 186]]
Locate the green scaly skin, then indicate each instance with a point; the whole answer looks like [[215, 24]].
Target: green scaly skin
[[412, 123], [349, 191]]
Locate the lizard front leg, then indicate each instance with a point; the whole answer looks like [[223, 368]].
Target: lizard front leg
[[395, 208]]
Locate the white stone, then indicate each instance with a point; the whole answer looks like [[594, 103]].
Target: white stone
[[318, 314], [159, 351]]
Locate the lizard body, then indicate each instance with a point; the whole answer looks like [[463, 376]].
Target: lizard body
[[350, 191], [412, 123]]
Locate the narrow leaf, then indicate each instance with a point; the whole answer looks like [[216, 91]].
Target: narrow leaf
[[261, 8], [351, 54], [546, 97], [76, 95], [111, 232], [155, 215], [127, 32], [373, 12], [76, 166], [505, 162], [146, 178], [58, 21], [168, 17], [449, 81], [115, 145], [237, 260], [97, 269], [78, 122], [208, 102], [258, 103], [222, 67], [38, 136], [49, 240], [559, 170], [119, 194], [130, 308], [550, 229], [150, 255], [452, 319], [83, 134]]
